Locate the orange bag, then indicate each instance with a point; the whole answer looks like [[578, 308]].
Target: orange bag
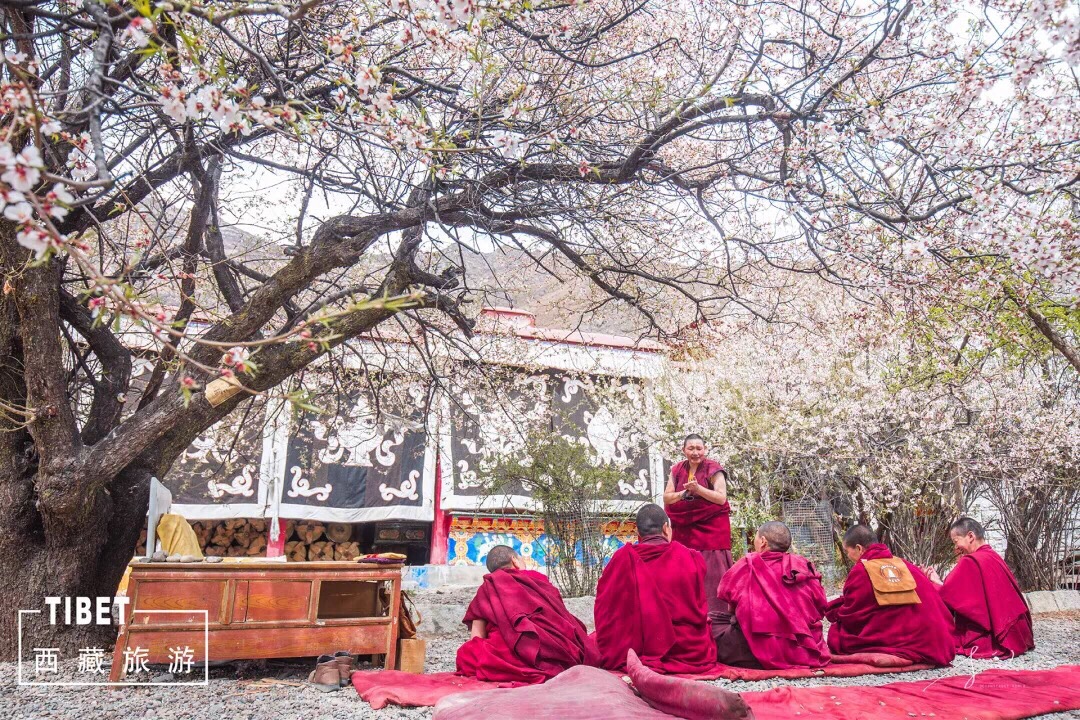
[[893, 582]]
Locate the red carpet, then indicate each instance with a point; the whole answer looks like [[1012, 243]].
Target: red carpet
[[990, 695], [841, 666], [380, 688]]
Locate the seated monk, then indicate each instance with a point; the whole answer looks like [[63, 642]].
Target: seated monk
[[651, 598], [778, 606], [521, 630], [888, 606], [992, 617]]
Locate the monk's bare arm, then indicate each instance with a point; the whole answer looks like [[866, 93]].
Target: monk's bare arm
[[670, 495], [478, 628], [718, 492]]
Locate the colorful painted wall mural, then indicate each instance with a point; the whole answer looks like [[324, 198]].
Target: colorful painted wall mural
[[471, 537]]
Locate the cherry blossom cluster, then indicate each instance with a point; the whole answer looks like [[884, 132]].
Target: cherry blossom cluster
[[229, 103], [26, 203]]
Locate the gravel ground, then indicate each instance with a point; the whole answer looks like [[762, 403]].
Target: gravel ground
[[240, 690]]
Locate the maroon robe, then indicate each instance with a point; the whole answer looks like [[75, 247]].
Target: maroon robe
[[531, 636], [697, 523], [706, 527], [779, 603], [651, 598], [992, 617], [920, 633]]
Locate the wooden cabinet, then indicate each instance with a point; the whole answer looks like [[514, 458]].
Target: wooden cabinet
[[235, 611]]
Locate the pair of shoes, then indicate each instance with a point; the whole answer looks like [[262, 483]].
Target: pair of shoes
[[332, 672]]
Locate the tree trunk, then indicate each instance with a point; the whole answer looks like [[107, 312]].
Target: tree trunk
[[87, 562]]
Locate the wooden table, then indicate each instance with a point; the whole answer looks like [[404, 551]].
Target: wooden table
[[259, 610]]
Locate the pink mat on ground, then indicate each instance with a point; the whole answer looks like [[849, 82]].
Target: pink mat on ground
[[380, 688], [585, 692]]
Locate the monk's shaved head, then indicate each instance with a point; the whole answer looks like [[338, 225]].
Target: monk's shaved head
[[651, 520], [777, 535], [966, 525], [499, 557], [859, 535], [691, 438]]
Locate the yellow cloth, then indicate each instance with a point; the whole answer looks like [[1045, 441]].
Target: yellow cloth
[[122, 588], [177, 537]]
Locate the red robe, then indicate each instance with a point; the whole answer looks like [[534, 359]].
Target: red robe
[[697, 523], [779, 603], [531, 636], [651, 598], [706, 527], [920, 633], [992, 618]]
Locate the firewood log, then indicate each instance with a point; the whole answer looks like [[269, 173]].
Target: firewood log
[[235, 551], [339, 532], [346, 551], [215, 550], [243, 534], [309, 531], [296, 551], [257, 546], [321, 551], [222, 535], [258, 526], [203, 530], [290, 530]]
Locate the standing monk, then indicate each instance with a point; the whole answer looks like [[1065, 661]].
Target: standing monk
[[696, 501], [521, 630], [778, 606], [888, 606], [992, 617]]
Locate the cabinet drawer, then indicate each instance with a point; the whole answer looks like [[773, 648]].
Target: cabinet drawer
[[176, 596], [274, 600]]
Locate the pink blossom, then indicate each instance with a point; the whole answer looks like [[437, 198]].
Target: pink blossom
[[383, 101], [236, 357], [36, 240], [57, 201], [137, 32], [19, 213], [23, 173], [8, 196]]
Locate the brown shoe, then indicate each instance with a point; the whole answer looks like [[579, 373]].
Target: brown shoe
[[326, 676], [346, 664]]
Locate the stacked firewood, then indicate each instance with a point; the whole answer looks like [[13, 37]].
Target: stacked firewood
[[304, 539], [312, 540], [231, 538]]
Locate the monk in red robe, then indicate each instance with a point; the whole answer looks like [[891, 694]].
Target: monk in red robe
[[992, 617], [778, 606], [651, 598], [888, 606], [696, 501], [521, 630]]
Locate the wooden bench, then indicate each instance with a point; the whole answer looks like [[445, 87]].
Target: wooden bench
[[257, 610]]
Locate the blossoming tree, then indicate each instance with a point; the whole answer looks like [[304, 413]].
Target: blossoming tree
[[852, 407], [684, 157]]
